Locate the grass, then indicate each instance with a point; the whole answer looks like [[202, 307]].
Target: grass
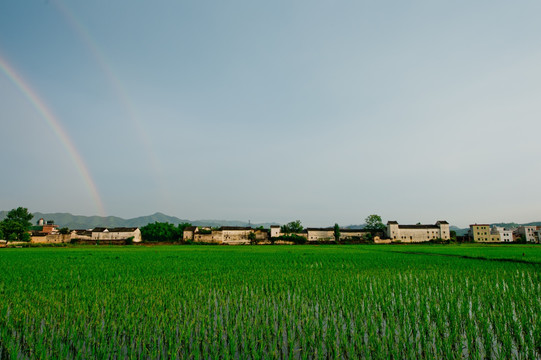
[[269, 302]]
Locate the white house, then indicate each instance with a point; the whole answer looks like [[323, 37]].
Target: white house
[[528, 232], [506, 235], [108, 234], [418, 233]]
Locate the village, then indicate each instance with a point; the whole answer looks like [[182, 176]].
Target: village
[[46, 232]]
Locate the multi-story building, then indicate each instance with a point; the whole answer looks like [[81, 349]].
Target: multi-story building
[[275, 231], [528, 232], [419, 232], [505, 234], [483, 233], [44, 227], [537, 234]]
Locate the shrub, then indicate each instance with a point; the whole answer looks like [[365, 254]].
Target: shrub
[[297, 239]]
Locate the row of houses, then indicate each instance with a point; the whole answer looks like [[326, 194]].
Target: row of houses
[[394, 232], [50, 233], [233, 235], [487, 233]]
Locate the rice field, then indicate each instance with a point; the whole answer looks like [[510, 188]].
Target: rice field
[[298, 302]]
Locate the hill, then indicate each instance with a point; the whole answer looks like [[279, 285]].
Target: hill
[[89, 222]]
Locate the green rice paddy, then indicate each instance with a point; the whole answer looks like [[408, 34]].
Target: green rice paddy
[[271, 302]]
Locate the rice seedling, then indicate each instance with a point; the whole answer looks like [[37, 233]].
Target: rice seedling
[[299, 302]]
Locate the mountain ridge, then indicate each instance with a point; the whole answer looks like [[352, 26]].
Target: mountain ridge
[[64, 219], [88, 222]]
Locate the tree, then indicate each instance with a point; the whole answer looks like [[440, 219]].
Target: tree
[[368, 237], [181, 228], [452, 235], [292, 227], [252, 238], [336, 232], [373, 222], [16, 225], [158, 231], [64, 231]]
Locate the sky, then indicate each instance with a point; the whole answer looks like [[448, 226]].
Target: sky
[[273, 111]]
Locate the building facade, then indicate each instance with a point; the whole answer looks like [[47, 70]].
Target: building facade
[[505, 234], [108, 234], [483, 233], [230, 235], [528, 232], [320, 234], [419, 232]]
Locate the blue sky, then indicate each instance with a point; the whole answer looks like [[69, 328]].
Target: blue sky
[[274, 111]]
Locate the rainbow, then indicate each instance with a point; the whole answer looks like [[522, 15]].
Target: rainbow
[[116, 85], [57, 128]]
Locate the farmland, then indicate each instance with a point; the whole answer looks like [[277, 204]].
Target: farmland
[[271, 302]]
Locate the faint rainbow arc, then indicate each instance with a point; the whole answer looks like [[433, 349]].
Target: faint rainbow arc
[[57, 128], [115, 82]]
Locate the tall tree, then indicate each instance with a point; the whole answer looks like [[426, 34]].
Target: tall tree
[[162, 232], [336, 232], [373, 222], [292, 228], [16, 225], [252, 237], [64, 231]]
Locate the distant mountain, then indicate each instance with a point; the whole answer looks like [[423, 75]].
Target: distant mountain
[[459, 231], [355, 227], [90, 222], [514, 225], [507, 225]]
